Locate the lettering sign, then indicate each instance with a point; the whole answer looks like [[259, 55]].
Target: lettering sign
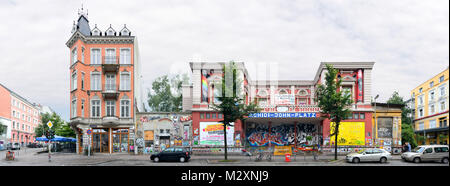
[[282, 115], [284, 99]]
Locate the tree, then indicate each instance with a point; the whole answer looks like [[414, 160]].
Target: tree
[[231, 103], [45, 118], [397, 99], [2, 128], [166, 93], [407, 128], [65, 131], [333, 103]]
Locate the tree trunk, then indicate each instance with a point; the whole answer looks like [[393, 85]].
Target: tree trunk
[[225, 138], [336, 140]]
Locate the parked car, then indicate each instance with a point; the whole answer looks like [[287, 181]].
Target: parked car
[[427, 153], [13, 146], [369, 155], [172, 154]]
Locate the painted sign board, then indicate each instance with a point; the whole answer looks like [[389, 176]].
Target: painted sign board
[[283, 115]]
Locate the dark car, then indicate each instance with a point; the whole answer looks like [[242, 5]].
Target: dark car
[[172, 154]]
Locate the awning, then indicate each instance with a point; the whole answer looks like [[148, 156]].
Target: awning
[[58, 139], [440, 129]]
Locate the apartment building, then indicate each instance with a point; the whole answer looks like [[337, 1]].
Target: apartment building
[[431, 109], [105, 91]]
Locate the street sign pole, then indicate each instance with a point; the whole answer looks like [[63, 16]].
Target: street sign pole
[[89, 132]]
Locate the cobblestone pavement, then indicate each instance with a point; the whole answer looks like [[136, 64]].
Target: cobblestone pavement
[[30, 157]]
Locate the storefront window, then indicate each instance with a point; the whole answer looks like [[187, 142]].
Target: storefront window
[[120, 140]]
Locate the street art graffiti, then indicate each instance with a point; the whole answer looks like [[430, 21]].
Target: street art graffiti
[[385, 127], [179, 130], [282, 135]]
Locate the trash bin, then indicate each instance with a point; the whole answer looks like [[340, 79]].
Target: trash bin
[[287, 157], [10, 155]]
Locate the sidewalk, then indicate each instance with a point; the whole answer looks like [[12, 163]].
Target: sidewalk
[[31, 158]]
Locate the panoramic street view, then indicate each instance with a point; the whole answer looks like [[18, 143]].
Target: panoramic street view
[[224, 83]]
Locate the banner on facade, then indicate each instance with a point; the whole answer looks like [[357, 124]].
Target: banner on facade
[[282, 115], [350, 133], [284, 99], [211, 133]]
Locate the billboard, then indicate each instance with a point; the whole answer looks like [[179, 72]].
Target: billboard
[[350, 133], [211, 133]]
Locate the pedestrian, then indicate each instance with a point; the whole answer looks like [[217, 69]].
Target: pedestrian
[[409, 146]]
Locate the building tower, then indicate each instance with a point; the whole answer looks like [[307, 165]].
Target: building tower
[[104, 86]]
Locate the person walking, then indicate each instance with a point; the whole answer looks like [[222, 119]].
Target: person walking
[[409, 146]]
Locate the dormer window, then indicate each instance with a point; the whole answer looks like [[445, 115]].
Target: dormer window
[[125, 31], [96, 31], [110, 31]]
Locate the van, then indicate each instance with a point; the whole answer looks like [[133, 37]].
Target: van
[[427, 153]]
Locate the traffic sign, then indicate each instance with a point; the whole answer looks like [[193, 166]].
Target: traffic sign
[[89, 131], [50, 124]]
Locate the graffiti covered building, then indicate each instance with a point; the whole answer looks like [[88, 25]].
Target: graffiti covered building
[[289, 115], [163, 129]]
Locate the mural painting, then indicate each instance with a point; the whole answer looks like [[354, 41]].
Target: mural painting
[[282, 135]]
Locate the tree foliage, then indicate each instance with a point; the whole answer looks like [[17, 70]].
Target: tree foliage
[[334, 104], [57, 124], [166, 93], [3, 128], [397, 99], [232, 101]]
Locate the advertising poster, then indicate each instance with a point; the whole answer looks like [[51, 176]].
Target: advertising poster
[[211, 133], [350, 133]]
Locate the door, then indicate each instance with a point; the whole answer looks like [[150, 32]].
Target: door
[[367, 156], [428, 154], [167, 154]]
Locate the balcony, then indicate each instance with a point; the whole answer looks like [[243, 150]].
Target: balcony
[[110, 63], [110, 91], [106, 121]]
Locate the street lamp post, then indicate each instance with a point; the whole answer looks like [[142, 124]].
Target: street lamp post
[[375, 119]]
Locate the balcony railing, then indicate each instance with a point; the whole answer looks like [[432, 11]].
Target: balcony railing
[[110, 63], [110, 90]]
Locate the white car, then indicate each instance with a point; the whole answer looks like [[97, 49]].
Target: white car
[[427, 153], [369, 155]]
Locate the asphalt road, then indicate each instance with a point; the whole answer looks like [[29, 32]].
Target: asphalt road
[[29, 157]]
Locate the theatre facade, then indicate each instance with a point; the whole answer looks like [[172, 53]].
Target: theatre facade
[[289, 114]]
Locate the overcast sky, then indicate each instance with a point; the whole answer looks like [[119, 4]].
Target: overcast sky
[[408, 40]]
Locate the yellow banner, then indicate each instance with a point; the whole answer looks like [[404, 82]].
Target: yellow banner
[[281, 150], [350, 133]]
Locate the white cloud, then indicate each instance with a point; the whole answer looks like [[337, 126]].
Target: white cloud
[[408, 40]]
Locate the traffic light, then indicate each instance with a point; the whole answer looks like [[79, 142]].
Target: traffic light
[[50, 134]]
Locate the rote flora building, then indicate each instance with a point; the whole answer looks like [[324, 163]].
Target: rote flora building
[[290, 116], [104, 86]]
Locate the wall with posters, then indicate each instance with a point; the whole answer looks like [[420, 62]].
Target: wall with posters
[[168, 129], [211, 133]]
